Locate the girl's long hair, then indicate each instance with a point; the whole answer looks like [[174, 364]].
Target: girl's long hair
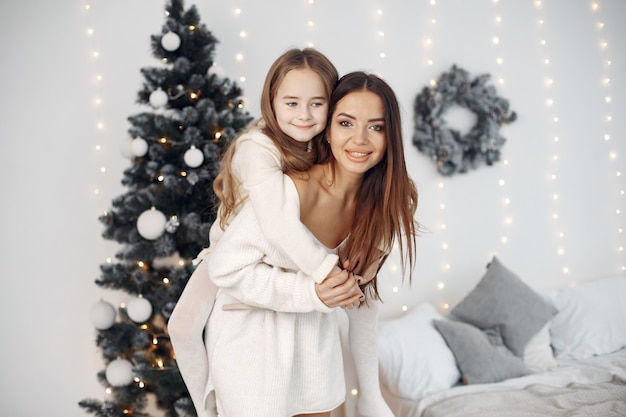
[[387, 199], [293, 155]]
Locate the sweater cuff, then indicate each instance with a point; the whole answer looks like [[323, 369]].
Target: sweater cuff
[[316, 303], [324, 269]]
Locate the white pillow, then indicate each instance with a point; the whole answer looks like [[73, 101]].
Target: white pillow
[[414, 359], [538, 352], [591, 319]]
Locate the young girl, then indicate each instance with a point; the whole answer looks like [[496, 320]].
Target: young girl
[[294, 108], [273, 352]]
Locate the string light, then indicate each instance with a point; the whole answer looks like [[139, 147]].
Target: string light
[[556, 140], [497, 41], [613, 156]]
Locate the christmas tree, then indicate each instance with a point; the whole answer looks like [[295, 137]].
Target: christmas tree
[[163, 220]]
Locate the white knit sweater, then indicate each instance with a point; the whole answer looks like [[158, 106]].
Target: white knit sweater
[[248, 280], [248, 270], [257, 165]]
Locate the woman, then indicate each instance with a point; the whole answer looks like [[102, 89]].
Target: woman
[[272, 337]]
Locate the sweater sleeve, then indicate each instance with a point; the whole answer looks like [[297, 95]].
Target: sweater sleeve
[[258, 164], [245, 265], [185, 327], [363, 339]]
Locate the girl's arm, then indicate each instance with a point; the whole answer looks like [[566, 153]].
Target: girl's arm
[[258, 164], [239, 263]]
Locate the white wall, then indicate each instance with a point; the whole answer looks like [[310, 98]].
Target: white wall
[[50, 168]]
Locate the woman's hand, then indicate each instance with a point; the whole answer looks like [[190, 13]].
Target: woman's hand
[[340, 289]]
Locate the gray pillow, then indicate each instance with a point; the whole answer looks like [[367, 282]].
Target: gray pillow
[[481, 357], [502, 300]]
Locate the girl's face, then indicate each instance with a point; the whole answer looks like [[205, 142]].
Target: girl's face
[[357, 132], [301, 105]]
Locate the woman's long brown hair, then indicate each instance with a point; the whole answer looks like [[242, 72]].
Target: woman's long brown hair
[[386, 202]]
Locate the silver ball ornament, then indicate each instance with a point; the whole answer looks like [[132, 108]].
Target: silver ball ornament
[[172, 224]]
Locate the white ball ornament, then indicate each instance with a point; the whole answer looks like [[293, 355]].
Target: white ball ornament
[[119, 372], [139, 310], [102, 315], [158, 98], [138, 147], [125, 149], [193, 157], [216, 70], [151, 224], [170, 41]]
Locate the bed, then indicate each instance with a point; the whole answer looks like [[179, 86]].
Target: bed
[[508, 351]]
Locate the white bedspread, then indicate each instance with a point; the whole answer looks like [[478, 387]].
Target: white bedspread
[[596, 370]]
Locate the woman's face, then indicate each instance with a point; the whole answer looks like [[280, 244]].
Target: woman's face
[[301, 105], [357, 131]]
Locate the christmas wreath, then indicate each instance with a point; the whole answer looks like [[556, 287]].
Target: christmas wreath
[[451, 150]]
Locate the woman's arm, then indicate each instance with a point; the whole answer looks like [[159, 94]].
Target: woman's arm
[[258, 164]]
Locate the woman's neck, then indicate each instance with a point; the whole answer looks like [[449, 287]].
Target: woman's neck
[[340, 182]]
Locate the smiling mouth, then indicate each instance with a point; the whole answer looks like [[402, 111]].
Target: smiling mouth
[[358, 154]]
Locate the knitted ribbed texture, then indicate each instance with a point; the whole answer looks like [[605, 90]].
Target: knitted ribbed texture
[[239, 264], [258, 165], [185, 328], [363, 337]]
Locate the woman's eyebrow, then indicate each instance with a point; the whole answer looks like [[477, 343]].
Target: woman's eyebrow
[[377, 119]]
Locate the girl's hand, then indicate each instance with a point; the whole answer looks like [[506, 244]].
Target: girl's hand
[[340, 290]]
